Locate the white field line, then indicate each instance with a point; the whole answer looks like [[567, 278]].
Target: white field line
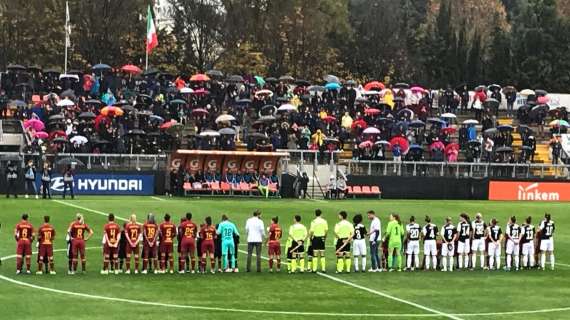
[[157, 198]]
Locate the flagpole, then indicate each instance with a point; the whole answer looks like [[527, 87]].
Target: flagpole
[[146, 60], [66, 34]]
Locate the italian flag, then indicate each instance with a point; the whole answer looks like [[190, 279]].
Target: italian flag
[[151, 38]]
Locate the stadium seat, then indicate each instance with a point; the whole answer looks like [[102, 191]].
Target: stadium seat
[[244, 188], [187, 186], [356, 190], [225, 187], [273, 188], [376, 191], [215, 187], [348, 190], [366, 190]]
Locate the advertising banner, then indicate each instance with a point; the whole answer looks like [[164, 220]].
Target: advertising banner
[[213, 163], [231, 163], [268, 164], [529, 191], [194, 163], [105, 184], [249, 164]]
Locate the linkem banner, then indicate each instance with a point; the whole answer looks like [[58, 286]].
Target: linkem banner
[[105, 184], [529, 191]]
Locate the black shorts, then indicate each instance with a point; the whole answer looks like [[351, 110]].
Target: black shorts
[[217, 248], [340, 243], [318, 243], [310, 251], [295, 248]]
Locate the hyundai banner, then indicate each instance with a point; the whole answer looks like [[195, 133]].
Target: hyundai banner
[[106, 184]]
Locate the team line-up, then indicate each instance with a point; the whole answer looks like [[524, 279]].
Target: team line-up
[[218, 243]]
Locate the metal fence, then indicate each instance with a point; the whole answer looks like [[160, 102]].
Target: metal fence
[[457, 169]]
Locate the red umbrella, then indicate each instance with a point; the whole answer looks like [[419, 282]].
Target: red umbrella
[[200, 92], [374, 85], [403, 142], [372, 111], [199, 112], [112, 111], [365, 144], [437, 145], [451, 146], [199, 77], [448, 130], [329, 119], [58, 133], [34, 124], [168, 124], [129, 68], [100, 119], [41, 135], [359, 123]]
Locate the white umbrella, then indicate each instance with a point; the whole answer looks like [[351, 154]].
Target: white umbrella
[[65, 103], [287, 107], [186, 90], [225, 118], [264, 92], [78, 140], [449, 115], [471, 121], [371, 130], [527, 92], [69, 76], [371, 93], [209, 133]]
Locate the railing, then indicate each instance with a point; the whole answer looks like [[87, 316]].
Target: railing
[[310, 156], [457, 169]]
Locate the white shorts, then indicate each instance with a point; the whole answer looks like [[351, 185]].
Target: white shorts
[[448, 252], [413, 247], [359, 247], [430, 248], [528, 248], [513, 248], [547, 245], [463, 247], [494, 249], [478, 245]]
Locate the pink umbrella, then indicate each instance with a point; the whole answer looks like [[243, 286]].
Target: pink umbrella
[[41, 135], [199, 112], [34, 124], [329, 119], [371, 130], [437, 145], [418, 89], [200, 92], [365, 144], [543, 99], [372, 111]]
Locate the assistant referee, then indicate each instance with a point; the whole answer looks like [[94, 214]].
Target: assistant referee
[[318, 234]]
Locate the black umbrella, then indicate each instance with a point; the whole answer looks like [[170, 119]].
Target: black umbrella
[[286, 78], [540, 93], [87, 115], [227, 131], [57, 117], [136, 132], [243, 101], [491, 131], [215, 73], [100, 142], [93, 102], [504, 149], [256, 135], [52, 71], [235, 78], [59, 140], [15, 67], [540, 108], [494, 87], [402, 85], [178, 101], [491, 103], [101, 67], [70, 161], [505, 127], [35, 68], [150, 72], [18, 103], [69, 93], [128, 108], [271, 80], [526, 148], [474, 143], [301, 82]]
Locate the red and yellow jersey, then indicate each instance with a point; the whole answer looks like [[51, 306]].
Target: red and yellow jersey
[[208, 233], [189, 230], [150, 232], [132, 231], [112, 230], [275, 232], [46, 234], [24, 231], [77, 230], [167, 232]]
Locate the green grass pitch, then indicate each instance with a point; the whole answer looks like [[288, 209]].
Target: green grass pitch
[[433, 295]]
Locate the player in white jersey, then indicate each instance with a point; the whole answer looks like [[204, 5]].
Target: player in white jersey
[[528, 243], [448, 238], [494, 236], [413, 244], [513, 236], [546, 232], [359, 243], [463, 240], [429, 234], [478, 241]]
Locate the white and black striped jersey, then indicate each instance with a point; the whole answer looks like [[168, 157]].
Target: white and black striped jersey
[[464, 229], [359, 232], [546, 229], [478, 229], [495, 232], [430, 231], [513, 231], [448, 231], [413, 230], [528, 232]]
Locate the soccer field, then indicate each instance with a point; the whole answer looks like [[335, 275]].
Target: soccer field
[[401, 295]]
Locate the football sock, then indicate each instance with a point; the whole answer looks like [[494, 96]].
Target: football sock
[[409, 261], [498, 259], [293, 265], [225, 261], [427, 262], [460, 262], [289, 264], [302, 263], [278, 263], [193, 263], [466, 261], [29, 263], [233, 261], [212, 264], [444, 262], [450, 263], [417, 262], [390, 266], [339, 264], [399, 260], [363, 263], [509, 257], [552, 260], [323, 264], [310, 264], [356, 264], [18, 263], [525, 260], [542, 260], [347, 263], [51, 266], [434, 261], [473, 260], [531, 260], [491, 261], [517, 262], [482, 260], [145, 264], [270, 263], [83, 268]]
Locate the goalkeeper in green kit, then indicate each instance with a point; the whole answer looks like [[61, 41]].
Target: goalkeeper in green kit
[[394, 235]]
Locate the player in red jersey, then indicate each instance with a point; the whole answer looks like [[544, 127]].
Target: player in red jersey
[[189, 231], [274, 245], [167, 236], [77, 231], [111, 239], [24, 235], [46, 235], [133, 233], [150, 235], [208, 235]]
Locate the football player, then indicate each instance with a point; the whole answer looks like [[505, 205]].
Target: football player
[[429, 234], [344, 231], [46, 236], [528, 232], [546, 230], [478, 240], [318, 235], [463, 240], [111, 239], [273, 245], [24, 235], [359, 247], [412, 244], [297, 235], [448, 237], [513, 236], [494, 236]]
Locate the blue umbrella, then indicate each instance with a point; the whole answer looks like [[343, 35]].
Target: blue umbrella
[[101, 67], [417, 124], [332, 86]]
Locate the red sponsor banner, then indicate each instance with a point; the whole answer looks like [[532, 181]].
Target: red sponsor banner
[[529, 191], [177, 160], [249, 164], [213, 163], [231, 163], [267, 164], [194, 163]]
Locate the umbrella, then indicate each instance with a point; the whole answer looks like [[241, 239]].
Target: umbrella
[[382, 142], [316, 89], [417, 89], [174, 129], [522, 128], [451, 146], [215, 73], [365, 144], [416, 148], [65, 103], [15, 67], [87, 115], [331, 78], [374, 85], [56, 117], [60, 140], [527, 92], [491, 131], [286, 78], [243, 101], [150, 72], [18, 103], [199, 112], [402, 85], [200, 92], [186, 90], [526, 148], [359, 123], [448, 116], [264, 93], [199, 77], [256, 135], [559, 123], [329, 119], [480, 88], [101, 67], [448, 130], [132, 69], [41, 135], [93, 102], [69, 76], [470, 121], [401, 141], [409, 112], [542, 99], [399, 99], [417, 124], [136, 132], [509, 89], [287, 107], [156, 118], [362, 99], [371, 93], [302, 83], [266, 119], [259, 80], [372, 111], [540, 108], [112, 111], [371, 130], [235, 78], [505, 127], [494, 87], [504, 149], [225, 118], [271, 79], [540, 92], [474, 143], [78, 140], [209, 133], [332, 86], [491, 103], [68, 94], [178, 101], [70, 161], [351, 83], [52, 71], [168, 124], [35, 124], [436, 121], [227, 131]]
